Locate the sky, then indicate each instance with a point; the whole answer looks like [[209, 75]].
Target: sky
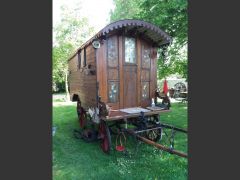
[[97, 11]]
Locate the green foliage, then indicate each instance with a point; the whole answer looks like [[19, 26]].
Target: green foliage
[[169, 15], [60, 54], [69, 34], [125, 9], [76, 159]]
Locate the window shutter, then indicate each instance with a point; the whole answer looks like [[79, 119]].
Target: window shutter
[[85, 58], [79, 59]]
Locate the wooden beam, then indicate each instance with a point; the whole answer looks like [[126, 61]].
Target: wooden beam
[[159, 146]]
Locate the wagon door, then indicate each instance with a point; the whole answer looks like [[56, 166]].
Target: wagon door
[[130, 72]]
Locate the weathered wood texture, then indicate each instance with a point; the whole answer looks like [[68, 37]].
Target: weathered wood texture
[[102, 71], [73, 64], [117, 115], [82, 83], [130, 86]]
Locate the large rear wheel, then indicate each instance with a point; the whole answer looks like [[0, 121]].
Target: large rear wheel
[[82, 117], [105, 137]]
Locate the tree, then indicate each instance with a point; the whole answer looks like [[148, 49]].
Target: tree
[[69, 34], [125, 9], [169, 15]]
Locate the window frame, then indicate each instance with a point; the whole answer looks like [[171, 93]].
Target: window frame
[[117, 53], [124, 50], [118, 92], [142, 59]]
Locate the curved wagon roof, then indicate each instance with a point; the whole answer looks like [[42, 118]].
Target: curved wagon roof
[[144, 29]]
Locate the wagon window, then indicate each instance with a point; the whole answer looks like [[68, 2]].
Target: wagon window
[[145, 90], [112, 52], [82, 59], [113, 92], [130, 50], [146, 57]]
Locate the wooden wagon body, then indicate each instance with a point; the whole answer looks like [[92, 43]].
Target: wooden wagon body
[[116, 70]]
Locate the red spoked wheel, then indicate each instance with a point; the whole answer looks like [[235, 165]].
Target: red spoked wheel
[[82, 117], [105, 137]]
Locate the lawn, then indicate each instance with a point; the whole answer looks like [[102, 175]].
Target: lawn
[[76, 159]]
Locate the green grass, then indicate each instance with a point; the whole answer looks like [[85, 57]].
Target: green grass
[[75, 159]]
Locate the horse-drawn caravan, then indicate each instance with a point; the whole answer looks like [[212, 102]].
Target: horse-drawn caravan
[[113, 79]]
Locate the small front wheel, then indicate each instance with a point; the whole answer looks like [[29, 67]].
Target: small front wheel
[[154, 135]]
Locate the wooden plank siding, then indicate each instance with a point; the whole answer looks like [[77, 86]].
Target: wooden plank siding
[[73, 64], [81, 83], [102, 71]]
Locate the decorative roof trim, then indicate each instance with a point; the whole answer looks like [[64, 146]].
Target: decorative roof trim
[[153, 31]]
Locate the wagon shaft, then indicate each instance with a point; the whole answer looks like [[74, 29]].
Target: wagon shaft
[[163, 126], [174, 128], [159, 146]]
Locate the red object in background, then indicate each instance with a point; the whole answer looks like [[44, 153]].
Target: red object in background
[[165, 87]]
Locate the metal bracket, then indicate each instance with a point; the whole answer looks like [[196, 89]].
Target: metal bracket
[[171, 138]]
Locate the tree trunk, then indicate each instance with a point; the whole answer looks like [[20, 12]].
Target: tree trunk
[[66, 87]]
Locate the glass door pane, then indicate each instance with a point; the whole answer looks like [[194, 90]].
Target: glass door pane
[[112, 52], [113, 91], [130, 50]]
